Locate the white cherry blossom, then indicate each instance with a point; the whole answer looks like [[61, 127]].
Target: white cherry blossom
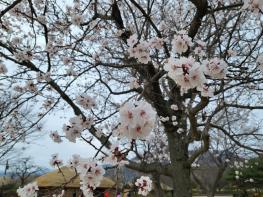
[[136, 120], [144, 184], [30, 86], [206, 91], [55, 161], [3, 69], [185, 72], [138, 50], [90, 174], [86, 101], [55, 137], [77, 125], [116, 157], [75, 161], [181, 42], [29, 190], [253, 5], [215, 68], [134, 83]]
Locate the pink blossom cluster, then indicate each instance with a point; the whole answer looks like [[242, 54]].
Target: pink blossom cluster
[[55, 161], [3, 69], [90, 174], [134, 83], [181, 42], [138, 49], [31, 86], [215, 68], [136, 120], [77, 125], [189, 73], [55, 137], [86, 101], [253, 5], [75, 161], [144, 184], [44, 77], [186, 72], [116, 157], [29, 190]]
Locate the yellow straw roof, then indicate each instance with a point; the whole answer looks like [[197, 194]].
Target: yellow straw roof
[[56, 179]]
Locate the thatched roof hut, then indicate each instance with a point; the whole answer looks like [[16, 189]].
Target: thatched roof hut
[[67, 179]]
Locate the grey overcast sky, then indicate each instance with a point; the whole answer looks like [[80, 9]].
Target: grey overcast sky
[[41, 149]]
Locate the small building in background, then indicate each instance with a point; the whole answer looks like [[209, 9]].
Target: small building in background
[[66, 179]]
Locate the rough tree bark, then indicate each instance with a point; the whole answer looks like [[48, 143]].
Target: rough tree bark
[[180, 166]]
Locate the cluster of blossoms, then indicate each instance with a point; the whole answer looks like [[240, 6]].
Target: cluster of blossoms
[[181, 42], [156, 43], [136, 120], [77, 125], [30, 86], [75, 161], [215, 68], [29, 190], [253, 5], [189, 74], [44, 77], [2, 137], [3, 69], [55, 137], [48, 103], [67, 60], [55, 161], [9, 129], [86, 101], [138, 50], [71, 72], [74, 11], [50, 48], [144, 185], [116, 157], [205, 91], [199, 49], [186, 72], [134, 83], [76, 19], [90, 175]]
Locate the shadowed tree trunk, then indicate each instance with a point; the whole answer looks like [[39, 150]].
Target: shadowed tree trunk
[[180, 166]]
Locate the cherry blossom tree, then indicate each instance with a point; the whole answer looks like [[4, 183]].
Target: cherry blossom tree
[[123, 68]]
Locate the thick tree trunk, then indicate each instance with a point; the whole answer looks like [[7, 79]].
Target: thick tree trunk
[[180, 167], [181, 180]]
